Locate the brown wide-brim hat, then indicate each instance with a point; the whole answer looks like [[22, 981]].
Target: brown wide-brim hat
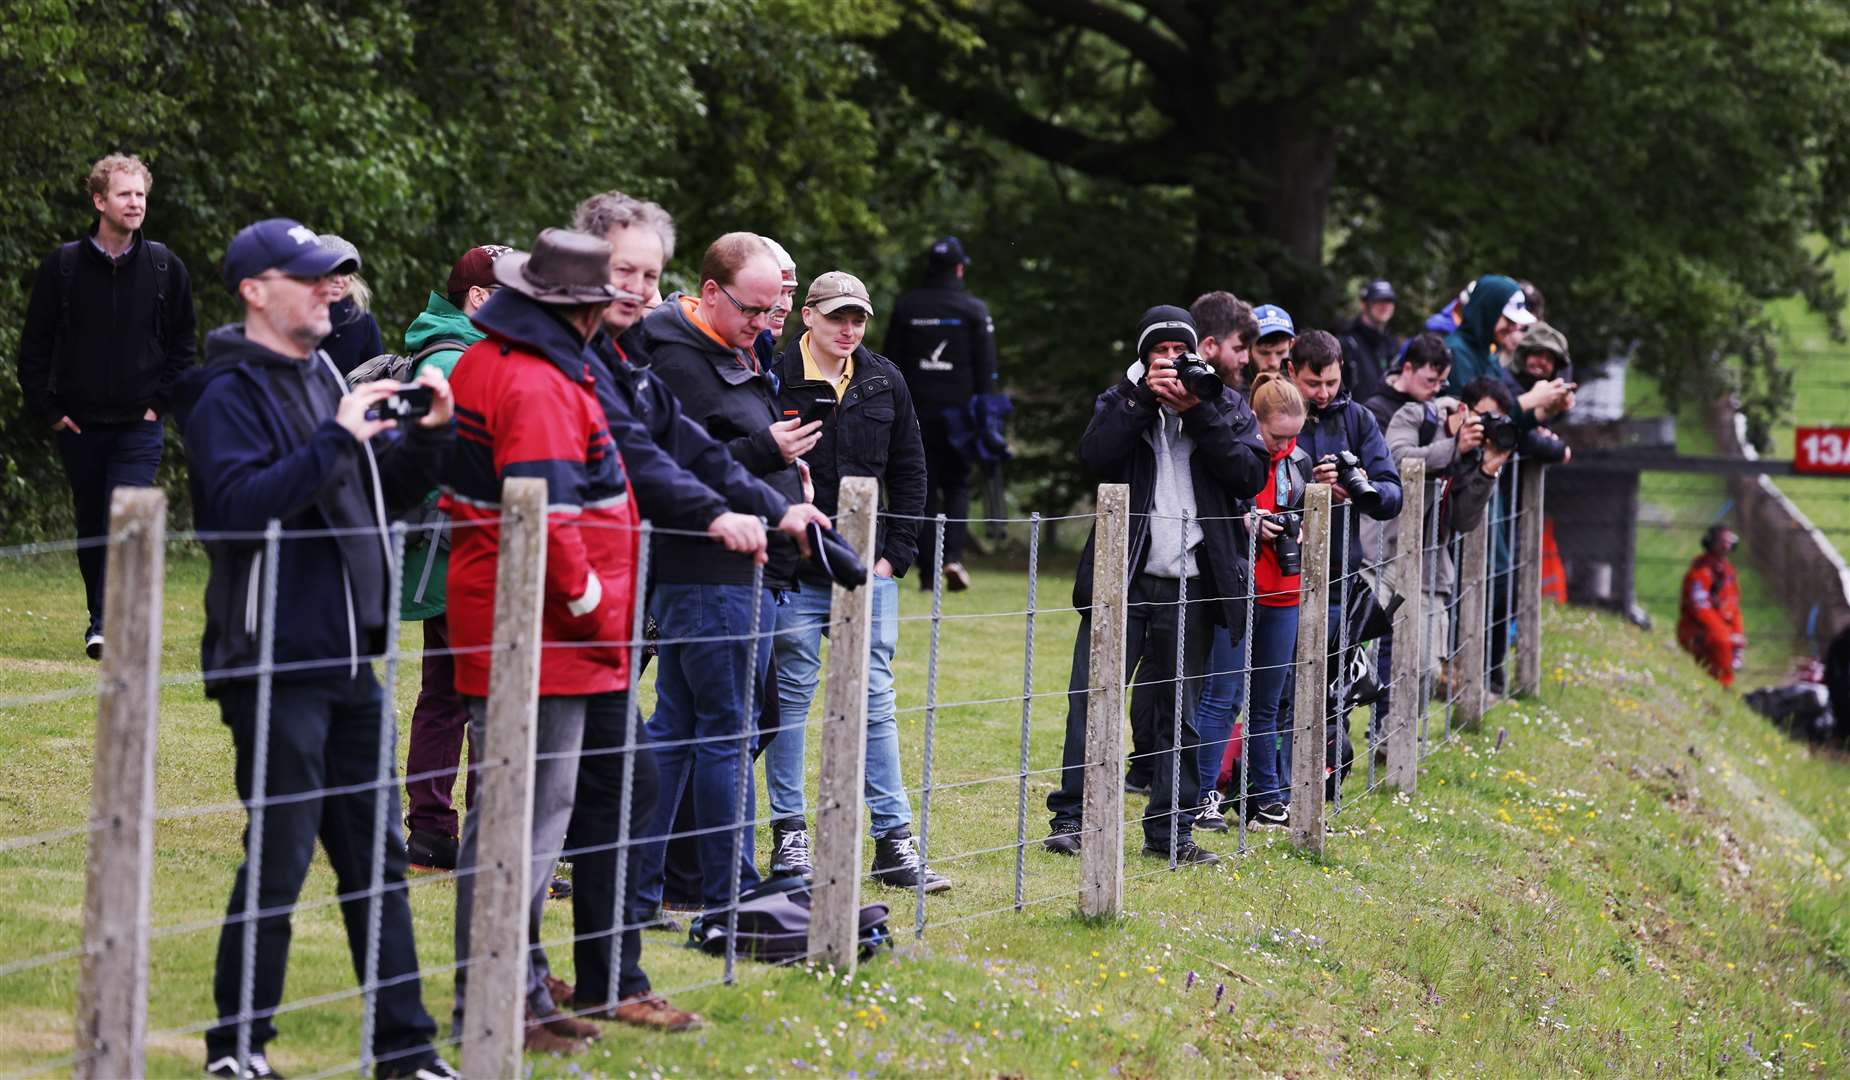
[[565, 268]]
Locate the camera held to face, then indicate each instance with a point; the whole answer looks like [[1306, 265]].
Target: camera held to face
[[1499, 431], [1198, 377], [1354, 479], [1285, 545]]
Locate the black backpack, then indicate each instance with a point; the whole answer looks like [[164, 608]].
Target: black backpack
[[774, 924], [396, 367]]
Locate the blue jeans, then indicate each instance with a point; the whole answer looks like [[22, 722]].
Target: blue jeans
[[801, 625], [1221, 693], [702, 692], [1268, 743]]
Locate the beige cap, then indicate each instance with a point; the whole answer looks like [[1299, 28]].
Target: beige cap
[[838, 289]]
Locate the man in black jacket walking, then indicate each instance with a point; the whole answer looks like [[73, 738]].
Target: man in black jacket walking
[[108, 330], [1188, 463], [944, 342]]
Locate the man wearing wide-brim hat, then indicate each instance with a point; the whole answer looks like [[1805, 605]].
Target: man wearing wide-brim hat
[[525, 407]]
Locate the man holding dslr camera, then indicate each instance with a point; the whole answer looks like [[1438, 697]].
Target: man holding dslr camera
[[1191, 454]]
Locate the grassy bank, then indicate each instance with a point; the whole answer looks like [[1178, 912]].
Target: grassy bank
[[1634, 877]]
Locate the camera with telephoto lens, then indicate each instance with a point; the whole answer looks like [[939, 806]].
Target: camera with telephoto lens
[[1353, 478], [1499, 431], [1198, 377], [1285, 545]]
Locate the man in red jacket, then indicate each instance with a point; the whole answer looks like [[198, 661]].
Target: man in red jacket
[[1710, 627], [526, 407]]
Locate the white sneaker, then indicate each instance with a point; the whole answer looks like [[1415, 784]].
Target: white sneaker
[[93, 644], [1210, 818], [257, 1066]]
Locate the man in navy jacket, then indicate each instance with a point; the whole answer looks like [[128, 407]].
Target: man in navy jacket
[[273, 433]]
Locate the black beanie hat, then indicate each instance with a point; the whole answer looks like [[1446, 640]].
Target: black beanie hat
[[1165, 323]]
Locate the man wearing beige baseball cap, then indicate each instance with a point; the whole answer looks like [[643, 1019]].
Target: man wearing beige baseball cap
[[870, 429]]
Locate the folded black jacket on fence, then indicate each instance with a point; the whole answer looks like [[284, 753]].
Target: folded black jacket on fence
[[723, 390], [1228, 467], [872, 432], [104, 339], [263, 444]]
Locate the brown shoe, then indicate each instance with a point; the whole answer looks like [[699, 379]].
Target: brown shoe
[[956, 578], [538, 1040], [571, 1027], [559, 990], [650, 1011]]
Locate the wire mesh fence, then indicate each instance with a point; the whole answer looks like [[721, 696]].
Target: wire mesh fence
[[1295, 689]]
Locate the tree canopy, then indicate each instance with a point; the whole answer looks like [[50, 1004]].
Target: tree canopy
[[1660, 169]]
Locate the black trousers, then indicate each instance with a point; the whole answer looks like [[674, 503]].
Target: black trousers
[[323, 733], [1149, 659], [95, 462], [594, 872], [947, 492]]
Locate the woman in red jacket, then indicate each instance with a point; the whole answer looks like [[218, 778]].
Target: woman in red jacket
[[1280, 409]]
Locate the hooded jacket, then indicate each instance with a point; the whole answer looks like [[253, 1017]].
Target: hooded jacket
[[263, 444], [723, 390], [109, 340], [1472, 342], [427, 557], [872, 432], [682, 477], [944, 343], [525, 406], [1228, 467], [1345, 425]]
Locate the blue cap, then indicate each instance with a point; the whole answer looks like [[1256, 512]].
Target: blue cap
[[1274, 320], [948, 252], [281, 244], [1378, 289]]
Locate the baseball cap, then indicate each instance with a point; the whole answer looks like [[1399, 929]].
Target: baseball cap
[[475, 269], [838, 289], [1273, 319], [948, 252], [1378, 289], [281, 244], [1516, 309]]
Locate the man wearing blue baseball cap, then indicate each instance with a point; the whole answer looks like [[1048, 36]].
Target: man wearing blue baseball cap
[[273, 433], [1276, 333]]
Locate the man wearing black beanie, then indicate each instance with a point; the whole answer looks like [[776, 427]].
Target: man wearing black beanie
[[1191, 465]]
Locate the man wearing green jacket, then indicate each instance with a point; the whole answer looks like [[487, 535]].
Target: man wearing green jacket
[[439, 721], [1490, 330]]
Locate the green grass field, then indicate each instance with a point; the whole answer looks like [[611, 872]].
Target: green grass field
[[1643, 880]]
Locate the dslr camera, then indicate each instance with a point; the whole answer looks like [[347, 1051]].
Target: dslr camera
[[1285, 545], [1354, 479], [1499, 431], [1198, 377]]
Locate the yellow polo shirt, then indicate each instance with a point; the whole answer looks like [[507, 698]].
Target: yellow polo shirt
[[813, 373]]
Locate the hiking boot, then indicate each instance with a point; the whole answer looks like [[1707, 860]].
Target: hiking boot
[[430, 851], [566, 1027], [1210, 818], [790, 848], [434, 1069], [1188, 853], [560, 889], [1063, 838], [1272, 815], [897, 863], [956, 578], [649, 1011], [559, 991], [257, 1067], [93, 648]]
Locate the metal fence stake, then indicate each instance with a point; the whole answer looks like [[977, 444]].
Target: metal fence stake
[[259, 786], [931, 721], [1181, 688], [836, 898], [494, 1011], [112, 986], [1309, 754], [741, 798], [1101, 850], [1027, 709], [631, 709], [385, 797]]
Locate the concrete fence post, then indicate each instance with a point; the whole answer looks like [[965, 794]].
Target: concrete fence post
[[112, 987], [836, 900], [494, 1014], [1405, 702], [1309, 754], [1101, 849], [1529, 582]]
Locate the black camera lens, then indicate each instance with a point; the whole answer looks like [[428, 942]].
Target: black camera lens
[[1354, 480], [1499, 431], [1285, 545], [1199, 377]]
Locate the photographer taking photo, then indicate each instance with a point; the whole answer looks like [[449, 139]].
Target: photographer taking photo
[[1191, 454]]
